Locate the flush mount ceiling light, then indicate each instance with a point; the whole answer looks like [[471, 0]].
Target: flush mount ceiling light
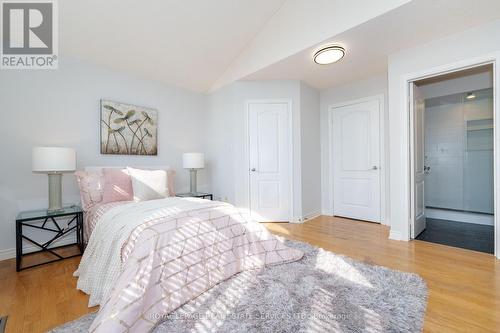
[[470, 96], [329, 55]]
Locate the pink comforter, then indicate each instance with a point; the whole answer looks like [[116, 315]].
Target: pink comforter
[[92, 217], [172, 258]]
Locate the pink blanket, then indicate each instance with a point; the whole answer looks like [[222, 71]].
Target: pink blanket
[[174, 255], [93, 216]]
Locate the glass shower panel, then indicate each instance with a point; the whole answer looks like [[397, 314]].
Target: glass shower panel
[[459, 152], [444, 155], [478, 166]]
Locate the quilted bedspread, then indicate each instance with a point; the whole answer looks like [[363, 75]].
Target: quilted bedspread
[[146, 259]]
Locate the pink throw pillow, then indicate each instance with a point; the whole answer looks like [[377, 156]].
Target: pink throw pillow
[[90, 184], [117, 186]]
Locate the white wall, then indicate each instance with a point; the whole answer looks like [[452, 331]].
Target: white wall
[[310, 150], [479, 41], [220, 142], [226, 136], [354, 91], [61, 107], [226, 139]]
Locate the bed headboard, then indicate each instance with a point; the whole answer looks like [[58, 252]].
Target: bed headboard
[[149, 167]]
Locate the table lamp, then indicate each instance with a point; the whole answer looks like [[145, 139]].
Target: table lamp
[[54, 161], [193, 162]]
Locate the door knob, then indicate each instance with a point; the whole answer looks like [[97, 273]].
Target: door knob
[[252, 169], [374, 167]]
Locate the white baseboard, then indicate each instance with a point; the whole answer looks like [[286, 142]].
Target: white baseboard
[[311, 215], [11, 253], [445, 214], [394, 235], [326, 212], [7, 254], [305, 217]]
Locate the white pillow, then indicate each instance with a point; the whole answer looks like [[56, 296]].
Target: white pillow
[[148, 184]]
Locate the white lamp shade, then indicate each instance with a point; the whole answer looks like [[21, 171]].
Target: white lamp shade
[[193, 160], [53, 159]]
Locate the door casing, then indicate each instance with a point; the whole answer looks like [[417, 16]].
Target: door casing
[[406, 80]]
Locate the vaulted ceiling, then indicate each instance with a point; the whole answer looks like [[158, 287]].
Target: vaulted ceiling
[[186, 43], [369, 45], [202, 45]]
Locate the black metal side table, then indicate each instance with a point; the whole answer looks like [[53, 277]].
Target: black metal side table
[[196, 195], [27, 220]]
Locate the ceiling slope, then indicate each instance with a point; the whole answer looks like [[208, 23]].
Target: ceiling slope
[[187, 43], [369, 45], [300, 24]]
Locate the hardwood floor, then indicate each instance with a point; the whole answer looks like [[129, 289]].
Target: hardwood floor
[[464, 286], [40, 298]]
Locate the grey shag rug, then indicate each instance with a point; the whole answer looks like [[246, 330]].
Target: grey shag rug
[[322, 292]]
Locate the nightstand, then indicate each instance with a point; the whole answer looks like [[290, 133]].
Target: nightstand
[[43, 220], [196, 195]]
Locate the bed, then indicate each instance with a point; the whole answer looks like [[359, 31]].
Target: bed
[[145, 259]]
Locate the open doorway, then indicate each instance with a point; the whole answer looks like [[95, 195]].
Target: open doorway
[[452, 159]]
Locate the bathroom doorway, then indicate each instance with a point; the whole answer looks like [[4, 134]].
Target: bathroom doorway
[[453, 173]]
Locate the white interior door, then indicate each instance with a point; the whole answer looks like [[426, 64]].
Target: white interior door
[[417, 106], [269, 161], [356, 161]]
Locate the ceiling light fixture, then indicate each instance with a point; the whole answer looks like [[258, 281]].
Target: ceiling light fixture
[[470, 96], [329, 55]]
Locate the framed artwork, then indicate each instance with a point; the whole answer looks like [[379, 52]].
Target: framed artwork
[[128, 129]]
